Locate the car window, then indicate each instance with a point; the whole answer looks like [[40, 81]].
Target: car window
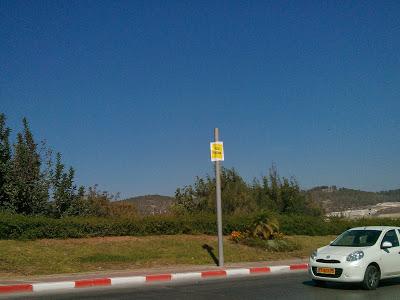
[[391, 236], [357, 238]]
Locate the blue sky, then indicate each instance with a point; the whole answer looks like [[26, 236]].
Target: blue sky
[[130, 91]]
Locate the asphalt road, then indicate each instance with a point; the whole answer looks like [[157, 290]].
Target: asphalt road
[[284, 286]]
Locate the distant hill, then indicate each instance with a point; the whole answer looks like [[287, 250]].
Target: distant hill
[[151, 204], [339, 199]]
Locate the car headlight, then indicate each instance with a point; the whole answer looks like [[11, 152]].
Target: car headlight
[[356, 255], [313, 255]]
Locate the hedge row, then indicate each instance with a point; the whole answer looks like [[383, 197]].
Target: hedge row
[[37, 227], [27, 227], [305, 225]]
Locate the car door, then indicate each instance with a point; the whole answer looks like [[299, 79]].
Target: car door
[[390, 258]]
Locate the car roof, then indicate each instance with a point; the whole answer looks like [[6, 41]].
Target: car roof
[[375, 228]]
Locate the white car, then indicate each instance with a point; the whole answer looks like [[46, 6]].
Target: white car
[[362, 254]]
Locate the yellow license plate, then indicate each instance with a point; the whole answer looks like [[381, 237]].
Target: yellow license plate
[[330, 271]]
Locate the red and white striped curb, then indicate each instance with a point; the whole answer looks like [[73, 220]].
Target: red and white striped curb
[[84, 283]]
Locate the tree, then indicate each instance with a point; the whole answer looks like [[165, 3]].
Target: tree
[[274, 190], [292, 200], [28, 177], [186, 200], [64, 190], [79, 205], [5, 162], [235, 193], [27, 188]]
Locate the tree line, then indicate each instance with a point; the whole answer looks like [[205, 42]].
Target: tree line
[[35, 182], [271, 193]]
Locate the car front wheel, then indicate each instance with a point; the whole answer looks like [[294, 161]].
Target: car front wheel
[[371, 278]]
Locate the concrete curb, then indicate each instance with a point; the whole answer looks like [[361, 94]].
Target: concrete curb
[[140, 280]]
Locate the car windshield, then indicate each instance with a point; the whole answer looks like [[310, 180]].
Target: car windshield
[[357, 238]]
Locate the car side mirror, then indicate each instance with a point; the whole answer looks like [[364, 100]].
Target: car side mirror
[[386, 245]]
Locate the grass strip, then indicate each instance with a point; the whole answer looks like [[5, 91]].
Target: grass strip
[[55, 256]]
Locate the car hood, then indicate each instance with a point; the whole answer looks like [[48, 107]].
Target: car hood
[[338, 250]]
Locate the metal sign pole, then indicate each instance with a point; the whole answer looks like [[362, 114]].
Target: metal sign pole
[[219, 207]]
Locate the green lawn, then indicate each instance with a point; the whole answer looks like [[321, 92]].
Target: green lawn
[[40, 257]]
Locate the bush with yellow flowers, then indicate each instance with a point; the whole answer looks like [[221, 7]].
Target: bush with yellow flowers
[[236, 236]]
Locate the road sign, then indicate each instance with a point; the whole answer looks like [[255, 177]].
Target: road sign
[[217, 151]]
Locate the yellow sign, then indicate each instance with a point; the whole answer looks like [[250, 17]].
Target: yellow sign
[[217, 151]]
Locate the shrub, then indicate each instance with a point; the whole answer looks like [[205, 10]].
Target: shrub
[[236, 236], [264, 226]]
